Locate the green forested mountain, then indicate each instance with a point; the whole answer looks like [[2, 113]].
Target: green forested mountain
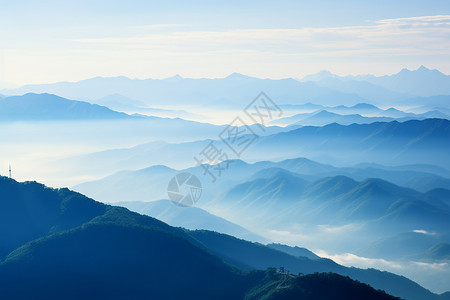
[[64, 245]]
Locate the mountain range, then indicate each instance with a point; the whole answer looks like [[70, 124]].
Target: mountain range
[[82, 248], [237, 90], [234, 91], [44, 107], [124, 104], [283, 199], [49, 107], [415, 142], [356, 170], [324, 117], [421, 82], [417, 245], [302, 201], [145, 184], [391, 143]]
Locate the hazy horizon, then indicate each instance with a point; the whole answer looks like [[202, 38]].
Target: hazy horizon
[[176, 75], [287, 39]]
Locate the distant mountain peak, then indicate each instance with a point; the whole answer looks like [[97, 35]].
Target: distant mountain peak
[[403, 71], [237, 76], [423, 68], [420, 70], [40, 95], [175, 77], [324, 74], [364, 106], [157, 168], [392, 109], [325, 113]]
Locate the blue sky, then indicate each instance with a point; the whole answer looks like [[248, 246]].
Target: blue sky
[[48, 41]]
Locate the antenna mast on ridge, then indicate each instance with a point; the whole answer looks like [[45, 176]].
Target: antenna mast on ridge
[[10, 171]]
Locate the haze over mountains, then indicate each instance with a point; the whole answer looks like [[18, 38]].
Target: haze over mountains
[[421, 177], [273, 199], [387, 143], [371, 114], [112, 240], [291, 188], [232, 91], [189, 218], [393, 143], [32, 107], [229, 150], [421, 82], [236, 90], [355, 169]]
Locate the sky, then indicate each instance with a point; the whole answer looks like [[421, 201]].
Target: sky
[[50, 41]]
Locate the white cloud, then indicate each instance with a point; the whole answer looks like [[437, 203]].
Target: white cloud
[[286, 236], [352, 260], [340, 229], [419, 35], [434, 276], [432, 266], [424, 232]]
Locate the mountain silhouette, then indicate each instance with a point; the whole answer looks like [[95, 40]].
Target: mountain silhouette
[[420, 82], [285, 198], [229, 92], [394, 143], [44, 107]]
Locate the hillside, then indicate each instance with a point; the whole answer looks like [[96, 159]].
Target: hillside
[[48, 107], [116, 254], [284, 198], [391, 143], [189, 218], [310, 287], [119, 243], [294, 251]]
